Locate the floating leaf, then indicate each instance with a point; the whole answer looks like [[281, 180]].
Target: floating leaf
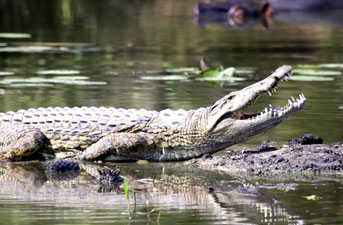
[[55, 44], [126, 190], [58, 72], [316, 72], [216, 73], [311, 78], [71, 77], [312, 197], [35, 80], [228, 72], [229, 79], [15, 35], [45, 49], [30, 49], [331, 65], [5, 73], [211, 72], [317, 66], [245, 71], [165, 78], [31, 85], [182, 70], [306, 66]]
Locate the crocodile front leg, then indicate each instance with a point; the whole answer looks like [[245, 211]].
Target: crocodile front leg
[[122, 146], [20, 141]]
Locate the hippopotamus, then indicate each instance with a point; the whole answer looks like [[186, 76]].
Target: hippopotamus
[[238, 11]]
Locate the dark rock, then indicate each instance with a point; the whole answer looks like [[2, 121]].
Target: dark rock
[[62, 170], [266, 146], [306, 139]]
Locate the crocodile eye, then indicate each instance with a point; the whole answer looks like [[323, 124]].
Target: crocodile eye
[[230, 97]]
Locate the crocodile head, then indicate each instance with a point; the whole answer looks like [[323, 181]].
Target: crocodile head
[[227, 124]]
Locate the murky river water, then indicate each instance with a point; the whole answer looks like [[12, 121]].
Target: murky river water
[[116, 44]]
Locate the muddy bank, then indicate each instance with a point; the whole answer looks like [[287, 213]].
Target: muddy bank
[[314, 158]]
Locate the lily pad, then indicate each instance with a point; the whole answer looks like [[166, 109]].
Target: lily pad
[[29, 49], [318, 66], [45, 49], [306, 66], [15, 35], [5, 73], [71, 77], [31, 85], [316, 72], [58, 72], [229, 79], [245, 70], [165, 78], [182, 70], [312, 197], [331, 65], [35, 80], [311, 78]]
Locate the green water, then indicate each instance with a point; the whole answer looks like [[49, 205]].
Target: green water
[[120, 39]]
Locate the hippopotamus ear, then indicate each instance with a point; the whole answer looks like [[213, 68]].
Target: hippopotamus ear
[[266, 9]]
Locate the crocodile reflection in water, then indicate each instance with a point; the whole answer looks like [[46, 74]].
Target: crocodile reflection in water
[[166, 184]]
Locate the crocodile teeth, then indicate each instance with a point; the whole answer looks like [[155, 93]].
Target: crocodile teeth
[[293, 104]]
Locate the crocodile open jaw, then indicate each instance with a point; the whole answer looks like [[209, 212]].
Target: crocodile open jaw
[[275, 111], [230, 124]]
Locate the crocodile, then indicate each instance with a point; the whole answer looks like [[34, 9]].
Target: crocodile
[[116, 134]]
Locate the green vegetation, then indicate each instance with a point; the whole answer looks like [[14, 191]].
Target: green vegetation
[[216, 73], [126, 190]]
